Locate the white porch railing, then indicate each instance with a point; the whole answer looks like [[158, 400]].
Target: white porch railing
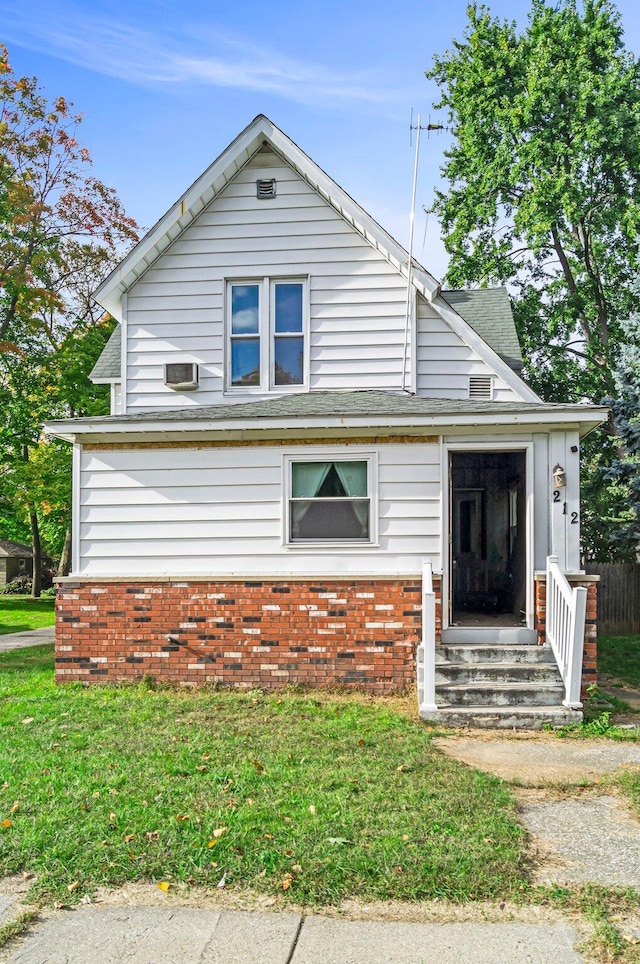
[[565, 621], [426, 656]]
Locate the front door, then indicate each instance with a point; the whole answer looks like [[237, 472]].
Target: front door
[[487, 538]]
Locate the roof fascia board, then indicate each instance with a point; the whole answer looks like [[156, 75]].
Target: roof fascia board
[[74, 429], [215, 179], [480, 346]]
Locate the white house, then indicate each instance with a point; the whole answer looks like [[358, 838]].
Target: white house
[[309, 439]]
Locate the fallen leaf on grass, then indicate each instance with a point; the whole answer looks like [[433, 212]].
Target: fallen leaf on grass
[[129, 837], [287, 880], [312, 809], [27, 719], [163, 885], [203, 768], [16, 806], [182, 816], [218, 832], [73, 886], [6, 823], [222, 882]]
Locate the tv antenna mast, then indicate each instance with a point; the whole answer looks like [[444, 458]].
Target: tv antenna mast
[[418, 128]]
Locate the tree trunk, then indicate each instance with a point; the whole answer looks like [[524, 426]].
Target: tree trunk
[[65, 558], [36, 582]]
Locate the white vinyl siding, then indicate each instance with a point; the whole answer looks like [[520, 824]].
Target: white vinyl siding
[[219, 511], [445, 362], [176, 311]]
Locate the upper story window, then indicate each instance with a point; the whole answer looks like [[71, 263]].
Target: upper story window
[[266, 334]]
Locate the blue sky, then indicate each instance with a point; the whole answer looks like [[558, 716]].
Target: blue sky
[[164, 86]]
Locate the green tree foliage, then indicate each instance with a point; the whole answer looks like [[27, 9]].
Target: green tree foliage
[[544, 182], [61, 232], [60, 227], [35, 472], [617, 525]]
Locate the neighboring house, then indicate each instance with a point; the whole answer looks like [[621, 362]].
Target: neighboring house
[[16, 560], [305, 445]]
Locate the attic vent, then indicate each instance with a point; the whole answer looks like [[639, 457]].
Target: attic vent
[[481, 387], [181, 376], [265, 188]]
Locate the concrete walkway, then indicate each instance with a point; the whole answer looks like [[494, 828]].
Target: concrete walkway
[[32, 637], [189, 935]]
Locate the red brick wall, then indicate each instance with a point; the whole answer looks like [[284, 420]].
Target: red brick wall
[[243, 633], [590, 653]]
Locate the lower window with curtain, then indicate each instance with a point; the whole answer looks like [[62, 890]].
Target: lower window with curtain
[[330, 500]]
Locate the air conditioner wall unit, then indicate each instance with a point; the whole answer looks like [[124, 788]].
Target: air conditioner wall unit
[[181, 376]]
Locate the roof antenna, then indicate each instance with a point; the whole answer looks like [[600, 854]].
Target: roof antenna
[[412, 217]]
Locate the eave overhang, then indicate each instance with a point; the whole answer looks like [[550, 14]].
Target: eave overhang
[[131, 429]]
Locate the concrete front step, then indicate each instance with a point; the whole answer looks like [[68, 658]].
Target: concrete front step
[[500, 694], [503, 717], [487, 653], [504, 672]]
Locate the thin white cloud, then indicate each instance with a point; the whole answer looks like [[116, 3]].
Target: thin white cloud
[[186, 55]]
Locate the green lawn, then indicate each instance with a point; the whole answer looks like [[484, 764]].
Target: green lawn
[[314, 798], [619, 656], [19, 613]]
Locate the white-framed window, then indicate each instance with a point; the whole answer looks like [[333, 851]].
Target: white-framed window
[[267, 334], [330, 498]]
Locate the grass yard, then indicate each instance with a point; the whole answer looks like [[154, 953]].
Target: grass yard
[[313, 797], [619, 656], [20, 613]]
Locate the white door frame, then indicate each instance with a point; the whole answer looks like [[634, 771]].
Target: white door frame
[[505, 445]]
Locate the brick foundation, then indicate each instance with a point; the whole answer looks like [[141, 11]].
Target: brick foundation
[[261, 634], [590, 652]]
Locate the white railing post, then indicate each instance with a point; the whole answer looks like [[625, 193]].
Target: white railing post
[[574, 670], [565, 622], [427, 648]]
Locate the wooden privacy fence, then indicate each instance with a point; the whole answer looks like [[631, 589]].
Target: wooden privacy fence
[[618, 596]]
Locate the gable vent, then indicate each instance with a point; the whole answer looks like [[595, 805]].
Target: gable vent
[[265, 188], [481, 387], [181, 376]]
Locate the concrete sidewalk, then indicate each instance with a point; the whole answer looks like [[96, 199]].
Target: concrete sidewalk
[[189, 935], [32, 637]]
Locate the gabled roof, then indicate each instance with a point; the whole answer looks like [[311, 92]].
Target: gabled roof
[[488, 311], [212, 182], [260, 131]]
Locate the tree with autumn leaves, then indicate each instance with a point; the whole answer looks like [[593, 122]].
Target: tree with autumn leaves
[[61, 231]]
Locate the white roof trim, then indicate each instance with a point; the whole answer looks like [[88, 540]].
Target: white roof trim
[[130, 428], [215, 179], [471, 337]]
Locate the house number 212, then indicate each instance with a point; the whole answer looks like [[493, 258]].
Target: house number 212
[[574, 515]]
